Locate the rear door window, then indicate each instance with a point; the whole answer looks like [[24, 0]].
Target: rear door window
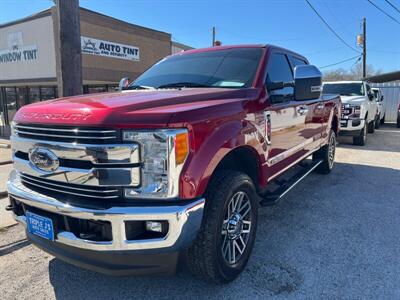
[[279, 70]]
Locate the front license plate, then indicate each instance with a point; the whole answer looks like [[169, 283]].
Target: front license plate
[[40, 226]]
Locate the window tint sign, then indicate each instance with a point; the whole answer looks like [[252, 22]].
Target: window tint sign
[[17, 51], [93, 46]]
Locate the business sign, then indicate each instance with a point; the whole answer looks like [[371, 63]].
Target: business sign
[[17, 51], [109, 49]]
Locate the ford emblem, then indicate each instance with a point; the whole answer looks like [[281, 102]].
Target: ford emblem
[[44, 159]]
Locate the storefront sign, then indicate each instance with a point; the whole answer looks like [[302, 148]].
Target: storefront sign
[[16, 51], [110, 49]]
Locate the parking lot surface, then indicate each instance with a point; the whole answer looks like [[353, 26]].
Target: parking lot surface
[[334, 236]]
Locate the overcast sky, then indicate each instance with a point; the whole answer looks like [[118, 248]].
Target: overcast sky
[[288, 23]]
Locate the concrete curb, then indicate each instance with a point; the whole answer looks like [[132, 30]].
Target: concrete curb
[[3, 194], [5, 146], [7, 162]]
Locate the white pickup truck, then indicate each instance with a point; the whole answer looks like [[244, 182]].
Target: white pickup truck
[[359, 110], [381, 107]]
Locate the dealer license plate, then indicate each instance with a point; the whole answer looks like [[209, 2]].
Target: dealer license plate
[[40, 226]]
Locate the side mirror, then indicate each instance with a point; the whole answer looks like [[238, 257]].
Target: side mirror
[[371, 97], [123, 83], [307, 82]]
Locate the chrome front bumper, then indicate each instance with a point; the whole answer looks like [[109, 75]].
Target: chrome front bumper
[[184, 221]]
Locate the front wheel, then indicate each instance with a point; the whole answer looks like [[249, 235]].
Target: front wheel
[[327, 155], [226, 238], [371, 127], [361, 138], [378, 122]]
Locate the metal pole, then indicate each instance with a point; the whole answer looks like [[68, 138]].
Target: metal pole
[[213, 36]]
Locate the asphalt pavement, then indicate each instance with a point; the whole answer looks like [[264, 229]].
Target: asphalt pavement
[[333, 236]]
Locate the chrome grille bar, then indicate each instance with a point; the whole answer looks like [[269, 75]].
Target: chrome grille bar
[[64, 136], [75, 130], [69, 189]]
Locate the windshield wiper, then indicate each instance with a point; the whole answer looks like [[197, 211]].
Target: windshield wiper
[[182, 85], [140, 87]]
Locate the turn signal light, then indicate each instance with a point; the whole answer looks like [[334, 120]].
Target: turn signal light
[[181, 147]]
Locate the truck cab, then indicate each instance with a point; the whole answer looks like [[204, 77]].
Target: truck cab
[[359, 108], [175, 164]]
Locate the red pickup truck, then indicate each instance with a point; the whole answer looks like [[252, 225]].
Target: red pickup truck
[[175, 165]]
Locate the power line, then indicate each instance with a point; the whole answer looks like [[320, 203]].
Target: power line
[[384, 12], [392, 5], [342, 61], [330, 28]]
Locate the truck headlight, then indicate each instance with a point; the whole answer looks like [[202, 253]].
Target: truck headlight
[[356, 111], [162, 154]]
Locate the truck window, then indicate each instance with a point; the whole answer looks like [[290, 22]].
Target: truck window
[[231, 68], [344, 89], [278, 69]]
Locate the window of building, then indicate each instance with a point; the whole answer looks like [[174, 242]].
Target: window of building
[[11, 102], [34, 94], [97, 89], [47, 93]]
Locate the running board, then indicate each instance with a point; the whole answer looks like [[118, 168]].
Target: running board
[[279, 193]]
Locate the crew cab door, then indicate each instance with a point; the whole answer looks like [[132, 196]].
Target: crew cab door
[[314, 113], [372, 105], [287, 117]]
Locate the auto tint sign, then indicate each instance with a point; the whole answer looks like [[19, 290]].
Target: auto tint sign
[[93, 46]]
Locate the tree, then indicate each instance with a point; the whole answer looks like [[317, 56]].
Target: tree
[[355, 73]]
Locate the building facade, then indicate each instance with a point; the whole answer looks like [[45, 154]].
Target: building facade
[[111, 49]]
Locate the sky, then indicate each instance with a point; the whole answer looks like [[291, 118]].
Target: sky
[[287, 23]]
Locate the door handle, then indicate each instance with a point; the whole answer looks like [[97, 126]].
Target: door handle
[[302, 110]]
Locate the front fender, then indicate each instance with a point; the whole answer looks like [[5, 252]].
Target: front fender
[[203, 162]]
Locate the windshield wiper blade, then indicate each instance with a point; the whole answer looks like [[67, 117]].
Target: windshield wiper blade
[[140, 87], [182, 85]]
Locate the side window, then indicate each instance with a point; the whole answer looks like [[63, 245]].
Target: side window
[[279, 70], [368, 89]]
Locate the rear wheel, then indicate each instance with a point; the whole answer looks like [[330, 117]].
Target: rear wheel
[[398, 122], [226, 238], [383, 120], [360, 140], [327, 155]]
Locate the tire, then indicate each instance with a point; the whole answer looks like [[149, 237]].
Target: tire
[[360, 140], [206, 258], [327, 155], [371, 127], [378, 122], [383, 120], [398, 122]]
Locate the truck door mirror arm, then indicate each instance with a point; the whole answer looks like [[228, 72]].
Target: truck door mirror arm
[[278, 85]]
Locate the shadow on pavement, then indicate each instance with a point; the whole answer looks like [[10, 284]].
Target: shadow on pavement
[[331, 236]]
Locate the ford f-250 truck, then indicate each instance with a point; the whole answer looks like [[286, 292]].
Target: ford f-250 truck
[[359, 111], [173, 166]]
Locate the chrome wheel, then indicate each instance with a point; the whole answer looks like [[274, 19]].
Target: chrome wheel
[[236, 227], [332, 150]]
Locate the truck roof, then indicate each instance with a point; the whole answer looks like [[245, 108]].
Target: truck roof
[[343, 81], [218, 48]]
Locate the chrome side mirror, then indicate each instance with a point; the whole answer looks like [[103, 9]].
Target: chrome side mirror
[[307, 82], [123, 84]]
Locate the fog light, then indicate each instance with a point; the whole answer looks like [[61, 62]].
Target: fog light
[[154, 226]]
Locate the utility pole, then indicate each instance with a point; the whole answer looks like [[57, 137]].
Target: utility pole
[[68, 41], [213, 36], [364, 47]]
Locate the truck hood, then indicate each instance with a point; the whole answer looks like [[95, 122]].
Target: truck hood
[[152, 108], [357, 100]]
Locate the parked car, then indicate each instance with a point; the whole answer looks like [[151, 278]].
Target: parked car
[[175, 164], [359, 108], [381, 105], [398, 117]]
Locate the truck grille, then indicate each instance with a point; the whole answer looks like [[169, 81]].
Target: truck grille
[[68, 134], [87, 191]]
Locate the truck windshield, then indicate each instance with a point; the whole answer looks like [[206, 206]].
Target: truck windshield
[[345, 89], [231, 68]]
